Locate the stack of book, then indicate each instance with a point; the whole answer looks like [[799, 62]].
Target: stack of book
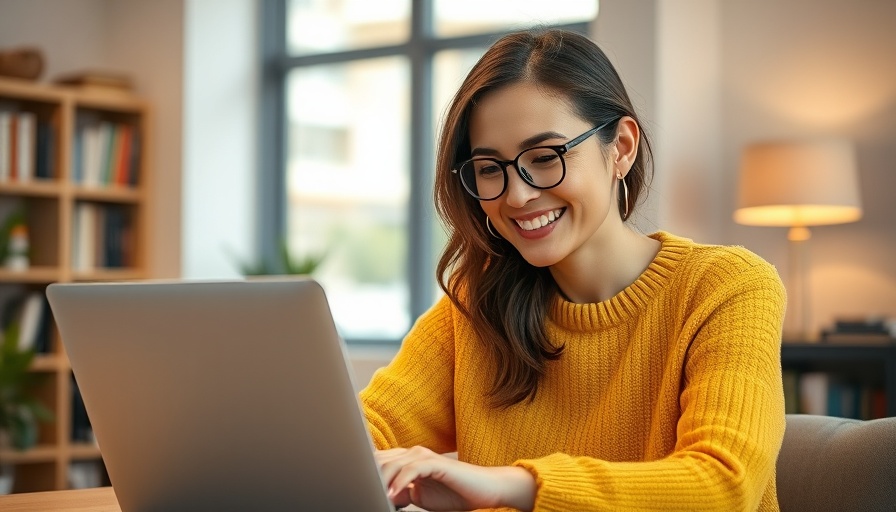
[[871, 331]]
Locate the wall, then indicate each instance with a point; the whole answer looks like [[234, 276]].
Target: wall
[[818, 67], [688, 139], [220, 135]]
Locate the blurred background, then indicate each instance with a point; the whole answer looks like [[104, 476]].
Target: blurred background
[[311, 123]]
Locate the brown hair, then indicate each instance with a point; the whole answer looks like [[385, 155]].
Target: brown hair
[[505, 297]]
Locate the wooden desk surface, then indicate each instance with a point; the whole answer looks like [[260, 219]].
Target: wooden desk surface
[[101, 499]]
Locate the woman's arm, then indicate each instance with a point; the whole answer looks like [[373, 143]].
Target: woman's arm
[[410, 402]]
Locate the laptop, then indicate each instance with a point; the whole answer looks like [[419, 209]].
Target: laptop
[[225, 396]]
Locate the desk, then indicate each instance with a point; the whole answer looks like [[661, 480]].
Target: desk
[[101, 499]]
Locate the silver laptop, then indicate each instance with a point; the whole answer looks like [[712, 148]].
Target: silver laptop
[[219, 395]]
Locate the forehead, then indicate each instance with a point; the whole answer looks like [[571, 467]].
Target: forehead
[[515, 112]]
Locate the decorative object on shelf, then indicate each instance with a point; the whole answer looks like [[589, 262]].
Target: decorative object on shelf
[[107, 80], [798, 184], [24, 62], [14, 242], [17, 247]]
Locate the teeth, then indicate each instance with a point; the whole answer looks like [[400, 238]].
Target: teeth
[[540, 222]]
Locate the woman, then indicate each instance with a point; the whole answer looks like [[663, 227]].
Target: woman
[[575, 364]]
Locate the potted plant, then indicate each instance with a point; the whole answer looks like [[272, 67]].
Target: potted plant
[[19, 410], [285, 264]]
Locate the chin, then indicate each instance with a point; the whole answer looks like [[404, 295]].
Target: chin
[[540, 260]]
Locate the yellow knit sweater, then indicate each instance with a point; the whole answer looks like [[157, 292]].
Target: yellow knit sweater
[[667, 397]]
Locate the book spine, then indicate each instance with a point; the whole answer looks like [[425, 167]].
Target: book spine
[[5, 144], [27, 126]]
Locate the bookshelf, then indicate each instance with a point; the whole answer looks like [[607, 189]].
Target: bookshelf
[[83, 196], [864, 370]]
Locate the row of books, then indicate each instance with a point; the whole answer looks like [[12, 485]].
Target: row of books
[[27, 146], [828, 394], [29, 311], [103, 237], [106, 153]]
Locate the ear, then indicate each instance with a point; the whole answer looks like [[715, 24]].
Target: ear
[[628, 136]]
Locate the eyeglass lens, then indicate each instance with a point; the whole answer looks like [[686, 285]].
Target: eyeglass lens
[[486, 178]]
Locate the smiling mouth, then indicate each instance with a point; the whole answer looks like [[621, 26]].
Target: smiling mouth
[[542, 221]]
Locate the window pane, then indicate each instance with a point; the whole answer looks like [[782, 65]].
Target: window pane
[[449, 69], [347, 182], [317, 26], [464, 17]]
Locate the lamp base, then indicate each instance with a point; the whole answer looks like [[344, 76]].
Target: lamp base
[[796, 320]]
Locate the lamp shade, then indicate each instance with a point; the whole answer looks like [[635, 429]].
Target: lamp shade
[[798, 183]]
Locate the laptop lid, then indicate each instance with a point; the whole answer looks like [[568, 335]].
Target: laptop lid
[[219, 395]]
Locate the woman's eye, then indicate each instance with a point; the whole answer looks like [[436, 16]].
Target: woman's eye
[[487, 171], [546, 158]]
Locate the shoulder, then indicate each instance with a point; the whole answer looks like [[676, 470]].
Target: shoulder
[[436, 327], [727, 269]]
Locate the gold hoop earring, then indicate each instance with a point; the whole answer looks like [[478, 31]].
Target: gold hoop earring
[[625, 194], [488, 226]]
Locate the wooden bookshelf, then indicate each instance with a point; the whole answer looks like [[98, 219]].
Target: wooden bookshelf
[[53, 197], [867, 366]]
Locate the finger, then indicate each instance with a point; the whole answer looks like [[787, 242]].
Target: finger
[[409, 473], [403, 498]]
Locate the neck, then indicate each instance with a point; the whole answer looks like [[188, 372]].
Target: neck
[[600, 270]]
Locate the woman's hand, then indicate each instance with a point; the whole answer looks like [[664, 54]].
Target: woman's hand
[[436, 482]]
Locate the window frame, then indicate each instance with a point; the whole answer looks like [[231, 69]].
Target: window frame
[[420, 50]]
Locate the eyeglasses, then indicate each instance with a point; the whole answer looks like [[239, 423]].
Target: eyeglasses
[[541, 167]]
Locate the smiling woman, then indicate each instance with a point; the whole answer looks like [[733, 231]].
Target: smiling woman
[[574, 363]]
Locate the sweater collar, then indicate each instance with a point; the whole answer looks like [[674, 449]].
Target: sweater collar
[[633, 298]]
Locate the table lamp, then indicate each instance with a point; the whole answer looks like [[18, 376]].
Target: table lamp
[[798, 184]]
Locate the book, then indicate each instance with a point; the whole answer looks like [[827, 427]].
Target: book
[[857, 338], [5, 142], [30, 319], [861, 325], [26, 138], [813, 393], [46, 147]]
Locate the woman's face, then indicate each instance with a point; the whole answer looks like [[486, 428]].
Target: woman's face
[[545, 226]]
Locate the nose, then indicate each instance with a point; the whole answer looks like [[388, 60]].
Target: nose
[[518, 191]]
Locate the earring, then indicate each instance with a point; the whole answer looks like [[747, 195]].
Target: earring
[[488, 226], [625, 194]]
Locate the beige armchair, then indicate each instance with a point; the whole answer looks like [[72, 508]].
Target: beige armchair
[[837, 464]]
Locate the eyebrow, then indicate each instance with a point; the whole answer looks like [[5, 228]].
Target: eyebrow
[[526, 144]]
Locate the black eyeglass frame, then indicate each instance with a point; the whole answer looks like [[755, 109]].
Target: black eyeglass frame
[[561, 149]]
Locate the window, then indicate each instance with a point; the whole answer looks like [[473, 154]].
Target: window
[[353, 93]]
